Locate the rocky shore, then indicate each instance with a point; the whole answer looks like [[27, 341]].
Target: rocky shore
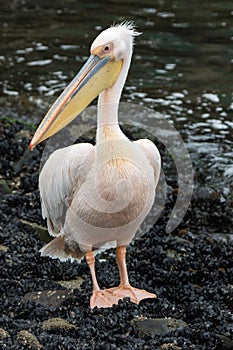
[[45, 303]]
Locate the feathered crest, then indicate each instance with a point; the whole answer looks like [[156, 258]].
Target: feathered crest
[[128, 26]]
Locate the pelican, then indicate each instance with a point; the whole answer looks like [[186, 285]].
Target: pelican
[[96, 197]]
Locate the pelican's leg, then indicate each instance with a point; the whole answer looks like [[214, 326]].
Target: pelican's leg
[[99, 297], [125, 289]]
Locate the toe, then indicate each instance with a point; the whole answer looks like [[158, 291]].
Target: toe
[[102, 299]]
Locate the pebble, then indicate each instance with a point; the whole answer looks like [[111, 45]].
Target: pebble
[[4, 188], [57, 323], [3, 248], [4, 334], [169, 346], [72, 284], [26, 338]]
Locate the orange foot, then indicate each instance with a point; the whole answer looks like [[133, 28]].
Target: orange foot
[[101, 298], [135, 294]]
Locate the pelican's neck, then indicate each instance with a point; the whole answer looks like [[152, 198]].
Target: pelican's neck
[[108, 102]]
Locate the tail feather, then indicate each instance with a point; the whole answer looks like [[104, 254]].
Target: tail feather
[[57, 248]]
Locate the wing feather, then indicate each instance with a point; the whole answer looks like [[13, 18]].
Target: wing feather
[[64, 171], [153, 156]]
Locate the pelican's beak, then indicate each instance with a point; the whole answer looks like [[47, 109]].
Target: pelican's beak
[[98, 74]]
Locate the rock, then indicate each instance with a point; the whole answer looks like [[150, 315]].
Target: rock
[[3, 248], [57, 323], [169, 346], [26, 338], [227, 343], [41, 230], [4, 188], [4, 334], [171, 253], [23, 134], [159, 326], [203, 193], [72, 284], [27, 158], [227, 291], [49, 297]]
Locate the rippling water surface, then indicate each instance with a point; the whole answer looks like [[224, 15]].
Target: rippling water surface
[[182, 66]]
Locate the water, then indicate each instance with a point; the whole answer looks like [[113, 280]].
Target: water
[[182, 66]]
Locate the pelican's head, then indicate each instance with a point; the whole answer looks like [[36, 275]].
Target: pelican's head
[[109, 50], [116, 41]]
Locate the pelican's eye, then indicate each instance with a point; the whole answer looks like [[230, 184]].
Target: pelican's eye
[[103, 50], [106, 48]]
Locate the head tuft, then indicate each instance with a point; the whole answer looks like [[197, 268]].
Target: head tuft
[[128, 26]]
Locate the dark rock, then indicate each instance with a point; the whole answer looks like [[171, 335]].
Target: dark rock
[[50, 297], [4, 188], [26, 159], [203, 193], [41, 230], [226, 343], [159, 326]]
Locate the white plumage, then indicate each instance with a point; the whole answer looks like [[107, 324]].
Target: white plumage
[[97, 196]]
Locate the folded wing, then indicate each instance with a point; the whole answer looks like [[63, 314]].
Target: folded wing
[[153, 156], [63, 173]]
